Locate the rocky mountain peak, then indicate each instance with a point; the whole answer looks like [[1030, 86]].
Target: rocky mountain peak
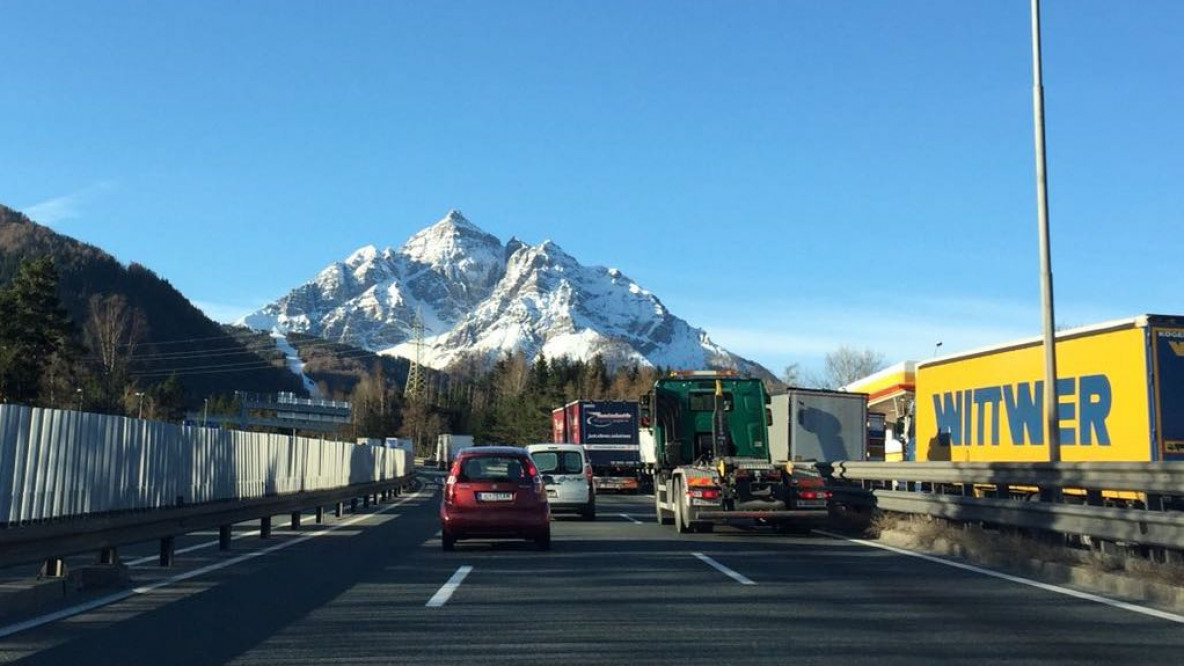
[[456, 217], [362, 255], [481, 298]]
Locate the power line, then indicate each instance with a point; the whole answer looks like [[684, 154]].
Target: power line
[[251, 346], [182, 373], [154, 371], [223, 336], [246, 348], [228, 367], [181, 340]]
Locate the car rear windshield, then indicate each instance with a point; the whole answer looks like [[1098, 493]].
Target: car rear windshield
[[492, 468], [558, 462]]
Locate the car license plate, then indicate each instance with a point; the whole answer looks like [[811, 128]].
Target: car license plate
[[806, 504], [552, 493], [495, 497]]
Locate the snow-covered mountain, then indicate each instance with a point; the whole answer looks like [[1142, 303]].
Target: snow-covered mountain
[[480, 297]]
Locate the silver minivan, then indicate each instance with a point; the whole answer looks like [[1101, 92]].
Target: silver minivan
[[567, 477]]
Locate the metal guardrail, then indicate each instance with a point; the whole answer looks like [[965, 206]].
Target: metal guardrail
[[72, 482], [56, 539], [60, 463], [1165, 478], [948, 490]]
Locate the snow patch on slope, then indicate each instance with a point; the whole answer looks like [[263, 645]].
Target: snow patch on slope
[[295, 365]]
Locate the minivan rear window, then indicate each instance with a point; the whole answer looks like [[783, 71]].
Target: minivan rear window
[[492, 468], [558, 462]]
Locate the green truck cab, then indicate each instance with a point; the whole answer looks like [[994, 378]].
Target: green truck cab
[[689, 426]]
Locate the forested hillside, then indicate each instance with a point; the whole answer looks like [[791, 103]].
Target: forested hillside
[[125, 331]]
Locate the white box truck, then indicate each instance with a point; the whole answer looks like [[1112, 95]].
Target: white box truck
[[814, 425], [448, 445]]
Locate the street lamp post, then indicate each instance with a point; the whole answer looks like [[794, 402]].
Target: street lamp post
[[80, 396], [1052, 423], [205, 414], [139, 404]]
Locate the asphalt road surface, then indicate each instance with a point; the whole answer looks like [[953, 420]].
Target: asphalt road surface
[[376, 588]]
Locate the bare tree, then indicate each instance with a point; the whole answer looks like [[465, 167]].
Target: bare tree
[[422, 425], [792, 375], [113, 329], [516, 372], [845, 365]]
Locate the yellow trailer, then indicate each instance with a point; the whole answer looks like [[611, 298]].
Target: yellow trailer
[[1120, 388]]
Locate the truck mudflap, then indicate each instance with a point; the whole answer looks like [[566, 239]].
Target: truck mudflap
[[770, 516]]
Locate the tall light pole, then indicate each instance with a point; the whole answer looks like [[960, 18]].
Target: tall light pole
[[205, 413], [1052, 423], [79, 392], [139, 404]]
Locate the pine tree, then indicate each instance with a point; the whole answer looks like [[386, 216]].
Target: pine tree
[[168, 399], [34, 328]]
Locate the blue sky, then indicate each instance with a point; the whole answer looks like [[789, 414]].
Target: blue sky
[[790, 176]]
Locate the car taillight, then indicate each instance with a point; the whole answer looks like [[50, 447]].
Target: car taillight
[[450, 488], [588, 473], [532, 474]]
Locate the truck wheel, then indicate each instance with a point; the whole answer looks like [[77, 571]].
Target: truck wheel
[[658, 513], [672, 499], [681, 519]]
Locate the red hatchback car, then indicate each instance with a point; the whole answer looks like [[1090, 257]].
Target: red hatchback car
[[494, 492]]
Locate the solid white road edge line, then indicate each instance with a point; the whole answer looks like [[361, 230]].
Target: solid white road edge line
[[738, 577], [443, 594], [119, 596], [1163, 615], [628, 517]]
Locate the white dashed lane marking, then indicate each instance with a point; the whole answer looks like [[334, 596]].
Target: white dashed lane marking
[[442, 595]]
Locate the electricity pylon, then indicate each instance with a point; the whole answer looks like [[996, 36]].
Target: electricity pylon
[[414, 388]]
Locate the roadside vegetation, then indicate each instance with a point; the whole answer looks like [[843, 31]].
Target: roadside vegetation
[[1019, 550]]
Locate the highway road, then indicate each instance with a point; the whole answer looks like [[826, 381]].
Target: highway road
[[618, 590]]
